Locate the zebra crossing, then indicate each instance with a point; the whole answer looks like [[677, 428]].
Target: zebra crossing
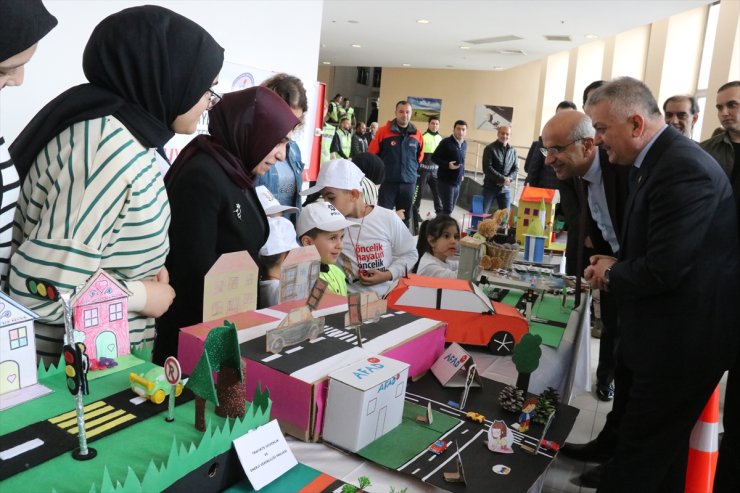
[[99, 417]]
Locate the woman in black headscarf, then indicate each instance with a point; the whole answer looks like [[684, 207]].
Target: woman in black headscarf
[[92, 194], [215, 209]]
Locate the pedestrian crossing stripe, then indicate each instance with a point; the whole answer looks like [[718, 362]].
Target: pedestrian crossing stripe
[[72, 414], [88, 415], [106, 423]]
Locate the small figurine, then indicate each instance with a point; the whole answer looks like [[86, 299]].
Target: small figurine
[[526, 416], [500, 439]]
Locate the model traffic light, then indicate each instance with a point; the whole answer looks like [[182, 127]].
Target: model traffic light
[[76, 366], [42, 289]]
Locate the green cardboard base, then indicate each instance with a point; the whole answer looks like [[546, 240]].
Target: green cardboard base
[[404, 442]]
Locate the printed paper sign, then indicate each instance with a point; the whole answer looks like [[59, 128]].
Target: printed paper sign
[[264, 454], [451, 369]]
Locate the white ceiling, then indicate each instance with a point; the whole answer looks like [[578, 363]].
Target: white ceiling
[[389, 35]]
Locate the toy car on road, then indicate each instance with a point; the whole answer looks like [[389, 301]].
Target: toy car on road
[[473, 416], [438, 447], [470, 316], [297, 326], [152, 385]]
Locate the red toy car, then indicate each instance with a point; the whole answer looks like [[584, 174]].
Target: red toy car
[[470, 316], [438, 447]]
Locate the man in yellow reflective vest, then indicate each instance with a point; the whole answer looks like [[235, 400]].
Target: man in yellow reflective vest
[[428, 169], [341, 146]]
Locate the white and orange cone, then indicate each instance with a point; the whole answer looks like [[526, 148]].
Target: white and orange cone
[[704, 448]]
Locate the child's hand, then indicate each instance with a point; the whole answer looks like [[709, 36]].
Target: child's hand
[[159, 295], [401, 213], [374, 276]]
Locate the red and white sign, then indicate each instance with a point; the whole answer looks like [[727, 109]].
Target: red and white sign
[[172, 371]]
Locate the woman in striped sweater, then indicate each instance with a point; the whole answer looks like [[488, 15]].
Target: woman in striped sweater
[[92, 194]]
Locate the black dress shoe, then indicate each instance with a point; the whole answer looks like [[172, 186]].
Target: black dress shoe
[[588, 452], [605, 392], [592, 477]]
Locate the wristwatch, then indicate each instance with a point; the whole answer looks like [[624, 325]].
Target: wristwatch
[[606, 276]]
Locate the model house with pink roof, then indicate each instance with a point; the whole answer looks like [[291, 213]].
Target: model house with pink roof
[[101, 317]]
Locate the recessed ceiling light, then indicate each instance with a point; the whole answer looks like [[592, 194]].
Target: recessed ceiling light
[[406, 64], [592, 36], [448, 66], [497, 67], [326, 63], [422, 21], [353, 22], [465, 47], [356, 46]]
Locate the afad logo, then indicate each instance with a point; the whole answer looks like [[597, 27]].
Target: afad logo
[[389, 383], [369, 369]]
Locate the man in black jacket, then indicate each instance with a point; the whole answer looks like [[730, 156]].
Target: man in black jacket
[[450, 157], [676, 284], [499, 168]]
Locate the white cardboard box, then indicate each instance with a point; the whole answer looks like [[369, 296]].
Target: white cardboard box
[[365, 401]]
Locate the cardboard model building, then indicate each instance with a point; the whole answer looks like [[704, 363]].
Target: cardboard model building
[[17, 347], [451, 369], [470, 316], [471, 251], [371, 307], [299, 272], [529, 210], [297, 326], [365, 401], [101, 317], [230, 286]]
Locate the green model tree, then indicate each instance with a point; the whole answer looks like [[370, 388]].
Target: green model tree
[[220, 352], [526, 357]]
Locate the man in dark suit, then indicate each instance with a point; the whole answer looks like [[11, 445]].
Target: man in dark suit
[[675, 280], [598, 191]]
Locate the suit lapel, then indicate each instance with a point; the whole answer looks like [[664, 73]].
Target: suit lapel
[[641, 177]]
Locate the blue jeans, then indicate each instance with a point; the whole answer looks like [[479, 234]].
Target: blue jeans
[[397, 196], [502, 196], [448, 194]]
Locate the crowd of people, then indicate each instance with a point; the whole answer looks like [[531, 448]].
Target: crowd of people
[[653, 216]]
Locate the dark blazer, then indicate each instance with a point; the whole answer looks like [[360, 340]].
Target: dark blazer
[[616, 188], [676, 281], [210, 216]]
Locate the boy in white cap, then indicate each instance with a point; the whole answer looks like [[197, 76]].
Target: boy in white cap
[[381, 249], [270, 204], [322, 225], [272, 254]]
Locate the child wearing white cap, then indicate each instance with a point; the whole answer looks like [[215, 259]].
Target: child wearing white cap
[[272, 254], [322, 225], [381, 248], [270, 204]]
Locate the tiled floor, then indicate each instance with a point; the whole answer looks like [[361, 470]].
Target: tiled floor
[[563, 474]]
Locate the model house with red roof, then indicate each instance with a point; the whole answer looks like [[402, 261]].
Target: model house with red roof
[[101, 317], [529, 210]]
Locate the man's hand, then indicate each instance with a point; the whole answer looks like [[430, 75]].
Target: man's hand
[[507, 181], [374, 276], [401, 213], [453, 165], [594, 273]]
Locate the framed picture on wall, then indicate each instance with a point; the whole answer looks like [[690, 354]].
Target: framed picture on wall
[[424, 108], [490, 117]]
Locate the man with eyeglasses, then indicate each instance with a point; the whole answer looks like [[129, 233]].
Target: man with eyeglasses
[[681, 112], [599, 189]]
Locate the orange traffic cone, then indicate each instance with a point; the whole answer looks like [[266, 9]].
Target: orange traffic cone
[[704, 448]]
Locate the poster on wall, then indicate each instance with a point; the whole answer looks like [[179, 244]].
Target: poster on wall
[[235, 77], [424, 108], [490, 117]]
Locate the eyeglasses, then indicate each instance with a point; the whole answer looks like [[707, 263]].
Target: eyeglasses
[[213, 99], [551, 151]]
